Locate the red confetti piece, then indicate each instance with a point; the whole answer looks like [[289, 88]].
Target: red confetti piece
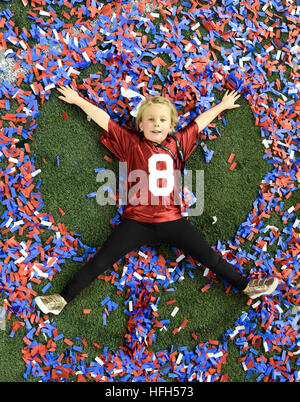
[[108, 159], [232, 166], [230, 159], [205, 288], [184, 323], [171, 301], [68, 342]]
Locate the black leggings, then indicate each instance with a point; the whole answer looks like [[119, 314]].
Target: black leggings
[[130, 235]]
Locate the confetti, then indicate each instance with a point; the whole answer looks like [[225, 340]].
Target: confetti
[[269, 325]]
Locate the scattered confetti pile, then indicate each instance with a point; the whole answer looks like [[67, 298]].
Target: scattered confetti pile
[[110, 34]]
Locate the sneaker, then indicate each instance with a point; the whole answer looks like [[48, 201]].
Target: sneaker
[[261, 287], [50, 304]]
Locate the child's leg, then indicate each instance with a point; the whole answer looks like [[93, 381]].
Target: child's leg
[[184, 236], [126, 237]]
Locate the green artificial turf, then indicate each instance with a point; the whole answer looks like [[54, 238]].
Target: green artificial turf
[[228, 195]]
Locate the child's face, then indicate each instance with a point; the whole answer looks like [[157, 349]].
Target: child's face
[[156, 122]]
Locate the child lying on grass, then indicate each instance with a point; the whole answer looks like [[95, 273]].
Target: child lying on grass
[[158, 217]]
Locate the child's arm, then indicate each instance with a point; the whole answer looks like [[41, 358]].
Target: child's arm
[[207, 117], [98, 115]]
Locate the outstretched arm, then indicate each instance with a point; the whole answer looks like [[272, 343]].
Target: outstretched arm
[[207, 117], [98, 115]]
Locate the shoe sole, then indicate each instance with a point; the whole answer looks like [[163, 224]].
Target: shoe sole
[[42, 306], [270, 290]]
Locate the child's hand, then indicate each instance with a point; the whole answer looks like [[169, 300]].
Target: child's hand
[[229, 99], [69, 94]]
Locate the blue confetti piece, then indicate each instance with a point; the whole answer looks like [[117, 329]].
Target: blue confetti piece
[[46, 287]]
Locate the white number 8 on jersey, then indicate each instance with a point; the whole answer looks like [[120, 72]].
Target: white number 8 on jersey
[[155, 174]]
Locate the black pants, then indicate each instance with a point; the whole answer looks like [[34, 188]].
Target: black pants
[[130, 235]]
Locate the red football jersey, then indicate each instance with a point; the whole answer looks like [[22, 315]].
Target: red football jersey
[[152, 176]]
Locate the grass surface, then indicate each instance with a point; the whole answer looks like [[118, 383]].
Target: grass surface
[[228, 195]]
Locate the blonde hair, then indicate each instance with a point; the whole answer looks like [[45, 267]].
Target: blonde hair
[[157, 100]]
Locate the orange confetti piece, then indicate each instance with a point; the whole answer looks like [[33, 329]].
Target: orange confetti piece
[[171, 301], [68, 342], [232, 166], [107, 158], [183, 325], [205, 288], [230, 159]]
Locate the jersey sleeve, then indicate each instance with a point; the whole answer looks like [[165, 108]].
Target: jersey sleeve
[[187, 137], [118, 139]]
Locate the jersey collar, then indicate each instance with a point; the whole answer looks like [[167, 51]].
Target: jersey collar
[[156, 143]]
